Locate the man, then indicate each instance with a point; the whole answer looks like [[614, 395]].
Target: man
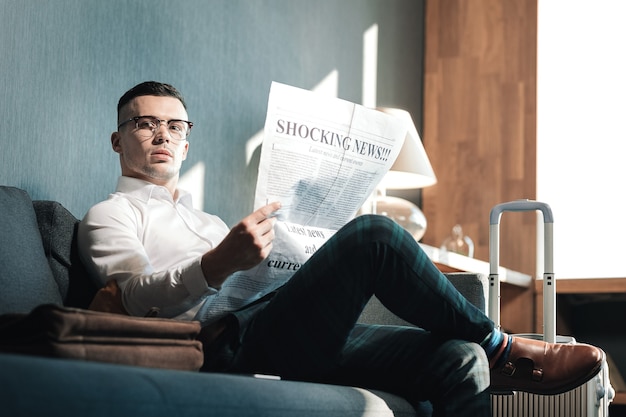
[[165, 255]]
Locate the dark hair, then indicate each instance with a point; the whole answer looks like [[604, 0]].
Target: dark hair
[[150, 88]]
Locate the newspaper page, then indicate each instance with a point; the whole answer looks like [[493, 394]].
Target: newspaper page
[[322, 158]]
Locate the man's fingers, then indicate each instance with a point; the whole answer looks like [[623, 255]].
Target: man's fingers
[[266, 211]]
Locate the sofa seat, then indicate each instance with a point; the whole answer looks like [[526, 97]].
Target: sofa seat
[[34, 386]]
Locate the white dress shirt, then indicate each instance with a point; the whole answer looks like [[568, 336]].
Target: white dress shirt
[[152, 245]]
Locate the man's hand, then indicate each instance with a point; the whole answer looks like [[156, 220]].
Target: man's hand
[[247, 244]]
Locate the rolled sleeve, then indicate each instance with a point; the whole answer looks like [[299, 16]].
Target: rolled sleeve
[[193, 279]]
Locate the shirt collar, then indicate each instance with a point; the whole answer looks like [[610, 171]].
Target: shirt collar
[[144, 191]]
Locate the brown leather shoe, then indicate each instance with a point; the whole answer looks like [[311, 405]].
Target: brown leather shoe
[[546, 368]]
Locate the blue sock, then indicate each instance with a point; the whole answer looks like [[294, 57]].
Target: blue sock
[[505, 354], [492, 343], [493, 347]]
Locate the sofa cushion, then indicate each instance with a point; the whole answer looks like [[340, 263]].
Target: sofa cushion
[[25, 275], [58, 228], [34, 386]]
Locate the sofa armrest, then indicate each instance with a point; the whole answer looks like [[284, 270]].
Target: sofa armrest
[[472, 286]]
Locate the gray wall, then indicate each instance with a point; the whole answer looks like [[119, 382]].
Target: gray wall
[[64, 64]]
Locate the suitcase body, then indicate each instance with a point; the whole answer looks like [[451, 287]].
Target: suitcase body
[[588, 400]]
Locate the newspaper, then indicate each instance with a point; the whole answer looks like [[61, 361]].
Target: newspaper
[[322, 158]]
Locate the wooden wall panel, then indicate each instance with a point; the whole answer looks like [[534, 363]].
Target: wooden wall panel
[[480, 130]]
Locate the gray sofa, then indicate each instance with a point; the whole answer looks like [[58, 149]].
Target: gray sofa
[[39, 265]]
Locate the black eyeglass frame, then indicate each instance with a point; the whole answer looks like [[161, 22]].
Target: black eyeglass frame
[[167, 122]]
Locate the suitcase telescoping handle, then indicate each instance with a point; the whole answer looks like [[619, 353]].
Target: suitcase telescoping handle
[[549, 283]]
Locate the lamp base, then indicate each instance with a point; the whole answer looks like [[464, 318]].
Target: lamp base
[[403, 212]]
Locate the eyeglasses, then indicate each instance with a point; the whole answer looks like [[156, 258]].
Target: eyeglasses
[[146, 127]]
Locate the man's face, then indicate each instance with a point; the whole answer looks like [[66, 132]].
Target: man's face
[[156, 159]]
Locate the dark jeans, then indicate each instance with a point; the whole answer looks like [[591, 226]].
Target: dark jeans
[[308, 330]]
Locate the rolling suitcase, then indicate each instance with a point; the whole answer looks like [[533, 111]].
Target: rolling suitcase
[[588, 400]]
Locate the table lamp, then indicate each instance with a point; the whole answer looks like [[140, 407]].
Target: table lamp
[[411, 170]]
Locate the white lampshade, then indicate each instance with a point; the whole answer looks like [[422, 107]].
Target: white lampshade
[[412, 168]]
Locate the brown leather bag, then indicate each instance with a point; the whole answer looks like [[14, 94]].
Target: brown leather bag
[[55, 331]]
